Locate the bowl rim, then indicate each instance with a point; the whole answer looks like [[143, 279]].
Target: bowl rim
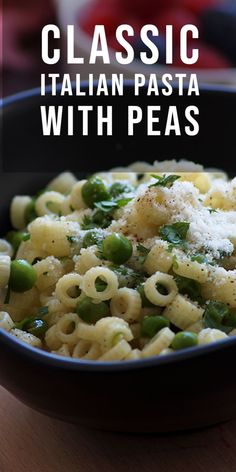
[[68, 363]]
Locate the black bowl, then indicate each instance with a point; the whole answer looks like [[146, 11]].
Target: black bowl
[[188, 389]]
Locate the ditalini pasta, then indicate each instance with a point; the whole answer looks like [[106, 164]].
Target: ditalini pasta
[[125, 265]]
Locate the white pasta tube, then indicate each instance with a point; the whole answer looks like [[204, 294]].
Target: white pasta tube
[[162, 340], [111, 329], [6, 321], [6, 248], [134, 355], [66, 329], [52, 340], [86, 332], [126, 304], [28, 252], [182, 312], [26, 337], [49, 271], [191, 269], [62, 351], [87, 259], [5, 268], [152, 291], [49, 203], [208, 335], [53, 236], [158, 259], [76, 199], [221, 287], [68, 289], [89, 283], [117, 353], [63, 183], [86, 350], [17, 211]]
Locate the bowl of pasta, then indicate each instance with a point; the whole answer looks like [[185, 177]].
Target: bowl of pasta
[[118, 290]]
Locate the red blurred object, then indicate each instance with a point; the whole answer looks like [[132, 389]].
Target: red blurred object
[[197, 6], [178, 17], [110, 14], [209, 58]]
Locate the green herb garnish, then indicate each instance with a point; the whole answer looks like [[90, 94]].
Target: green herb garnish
[[175, 234], [143, 253], [165, 181]]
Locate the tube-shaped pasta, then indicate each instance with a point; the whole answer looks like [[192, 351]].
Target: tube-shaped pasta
[[152, 292], [49, 271], [52, 340], [191, 269], [29, 252], [76, 199], [158, 259], [63, 183], [26, 337], [162, 340], [49, 203], [117, 353], [6, 248], [134, 355], [109, 329], [182, 312], [126, 304], [86, 350], [62, 351], [53, 236], [87, 259], [86, 332], [6, 321], [5, 268], [221, 287], [208, 335], [89, 283], [66, 329], [65, 287], [17, 211]]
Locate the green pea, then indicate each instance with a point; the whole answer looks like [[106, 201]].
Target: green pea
[[117, 248], [30, 212], [91, 238], [91, 312], [145, 302], [118, 188], [37, 327], [94, 190], [152, 324], [184, 339], [15, 238], [22, 276]]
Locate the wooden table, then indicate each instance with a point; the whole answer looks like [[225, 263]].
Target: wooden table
[[30, 442]]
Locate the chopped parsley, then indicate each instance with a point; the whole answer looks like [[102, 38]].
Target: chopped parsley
[[143, 251], [43, 311], [212, 210], [219, 316], [175, 262], [165, 181], [175, 234], [71, 239], [108, 206], [189, 287]]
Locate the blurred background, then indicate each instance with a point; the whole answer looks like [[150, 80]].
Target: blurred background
[[21, 22]]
